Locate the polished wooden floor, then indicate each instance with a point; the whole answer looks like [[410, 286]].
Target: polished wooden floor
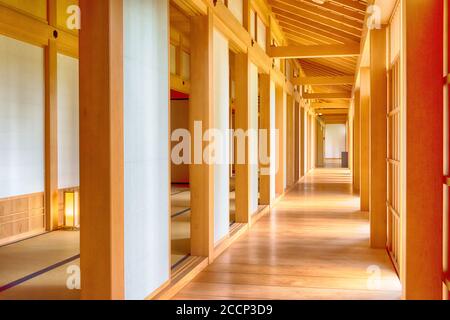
[[313, 245]]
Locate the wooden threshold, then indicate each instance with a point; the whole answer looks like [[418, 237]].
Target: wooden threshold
[[181, 276]]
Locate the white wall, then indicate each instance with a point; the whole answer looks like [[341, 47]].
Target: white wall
[[335, 140], [68, 123], [22, 107], [237, 8], [261, 33], [254, 179], [146, 125], [273, 141], [221, 93]]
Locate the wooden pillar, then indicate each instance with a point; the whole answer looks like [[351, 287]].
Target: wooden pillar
[[201, 110], [356, 142], [320, 146], [378, 139], [365, 139], [422, 224], [101, 149], [266, 124], [51, 137], [243, 185], [51, 127], [279, 124]]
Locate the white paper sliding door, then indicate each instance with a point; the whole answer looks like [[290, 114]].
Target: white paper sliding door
[[237, 9], [146, 121], [68, 123], [221, 124], [273, 141], [22, 107], [254, 178]]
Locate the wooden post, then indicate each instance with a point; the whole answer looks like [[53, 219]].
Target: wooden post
[[242, 72], [320, 146], [279, 125], [265, 123], [422, 226], [356, 142], [201, 110], [51, 127], [51, 137], [101, 149], [364, 138], [378, 139]]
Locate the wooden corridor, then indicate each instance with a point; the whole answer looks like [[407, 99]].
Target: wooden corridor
[[313, 245]]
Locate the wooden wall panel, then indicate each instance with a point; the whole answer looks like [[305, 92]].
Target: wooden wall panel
[[21, 217], [62, 15], [35, 8]]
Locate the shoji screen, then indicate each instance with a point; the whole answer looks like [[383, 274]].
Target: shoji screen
[[254, 181], [21, 118], [273, 139], [261, 32], [68, 123], [146, 143], [237, 8], [221, 123], [253, 24]]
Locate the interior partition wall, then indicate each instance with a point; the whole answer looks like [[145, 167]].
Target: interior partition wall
[[68, 131], [253, 139], [220, 147], [22, 148], [146, 154]]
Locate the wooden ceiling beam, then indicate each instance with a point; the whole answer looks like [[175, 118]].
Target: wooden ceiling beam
[[328, 105], [297, 26], [355, 35], [318, 51], [351, 13], [337, 112], [321, 81], [351, 4], [335, 95], [318, 12], [299, 12]]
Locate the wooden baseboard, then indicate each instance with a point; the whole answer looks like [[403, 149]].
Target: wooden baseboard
[[255, 218], [181, 276], [158, 291], [21, 237]]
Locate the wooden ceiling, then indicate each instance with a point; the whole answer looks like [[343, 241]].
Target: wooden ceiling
[[306, 22]]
